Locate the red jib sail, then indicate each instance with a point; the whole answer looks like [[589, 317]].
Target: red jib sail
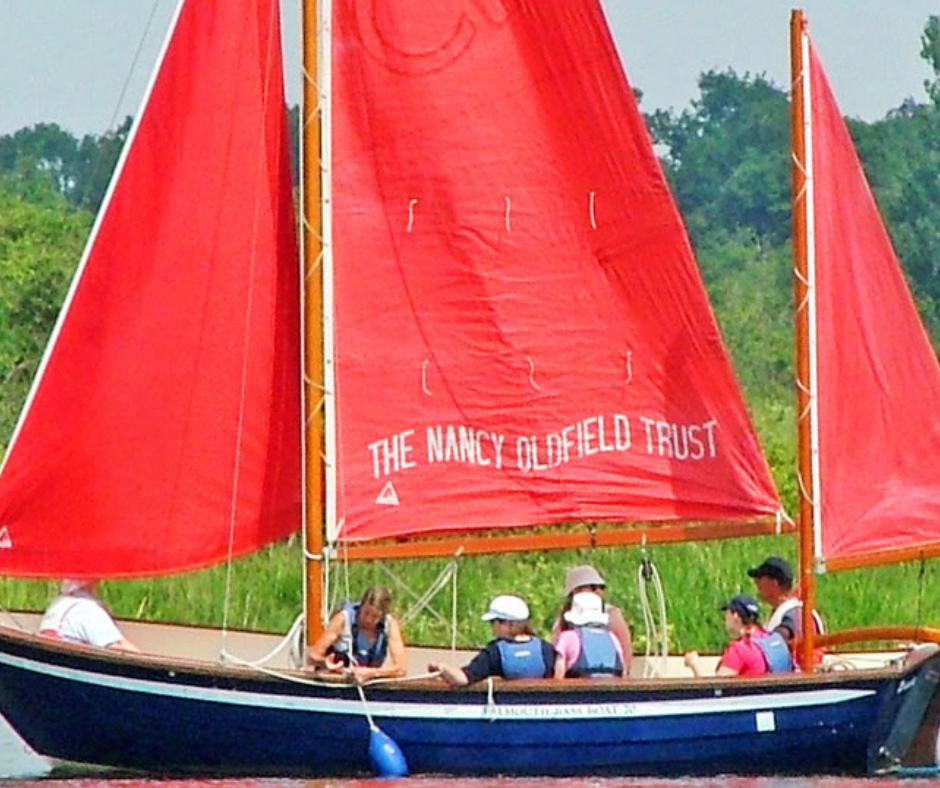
[[522, 334], [878, 389], [162, 433]]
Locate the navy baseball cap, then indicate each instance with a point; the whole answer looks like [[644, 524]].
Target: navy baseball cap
[[745, 606]]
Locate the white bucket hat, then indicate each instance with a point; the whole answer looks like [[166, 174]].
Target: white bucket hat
[[507, 608], [587, 609]]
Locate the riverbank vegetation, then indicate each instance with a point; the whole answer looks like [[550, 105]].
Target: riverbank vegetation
[[727, 158]]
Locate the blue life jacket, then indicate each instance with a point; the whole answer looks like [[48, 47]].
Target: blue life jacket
[[776, 652], [364, 653], [522, 659], [598, 654]]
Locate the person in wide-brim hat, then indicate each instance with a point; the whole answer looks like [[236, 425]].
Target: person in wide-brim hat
[[586, 578]]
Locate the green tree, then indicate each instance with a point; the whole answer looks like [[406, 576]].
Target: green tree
[[40, 244], [930, 51], [47, 154], [45, 148], [902, 160], [727, 158], [96, 159]]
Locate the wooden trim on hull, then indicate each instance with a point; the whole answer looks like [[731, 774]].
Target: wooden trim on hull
[[159, 667]]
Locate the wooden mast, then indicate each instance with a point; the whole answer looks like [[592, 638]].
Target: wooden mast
[[802, 295], [311, 253]]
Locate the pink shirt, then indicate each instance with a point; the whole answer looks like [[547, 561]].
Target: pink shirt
[[569, 646], [617, 626], [745, 656]]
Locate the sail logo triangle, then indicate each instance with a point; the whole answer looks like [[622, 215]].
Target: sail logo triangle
[[388, 496], [6, 542]]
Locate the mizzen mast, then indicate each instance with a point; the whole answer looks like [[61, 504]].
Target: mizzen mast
[[803, 293]]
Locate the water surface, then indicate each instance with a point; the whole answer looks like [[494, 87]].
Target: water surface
[[429, 781]]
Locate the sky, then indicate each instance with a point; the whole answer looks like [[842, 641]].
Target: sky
[[72, 62]]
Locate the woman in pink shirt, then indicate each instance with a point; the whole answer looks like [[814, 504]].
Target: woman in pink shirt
[[743, 657]]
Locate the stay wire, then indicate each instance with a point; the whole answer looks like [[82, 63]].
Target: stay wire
[[133, 67]]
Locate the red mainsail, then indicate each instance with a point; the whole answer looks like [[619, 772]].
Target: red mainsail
[[878, 381], [522, 333], [163, 431]]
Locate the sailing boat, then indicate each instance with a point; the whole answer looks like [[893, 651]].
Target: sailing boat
[[515, 336]]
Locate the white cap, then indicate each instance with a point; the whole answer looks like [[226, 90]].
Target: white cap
[[71, 586], [507, 608], [587, 608]]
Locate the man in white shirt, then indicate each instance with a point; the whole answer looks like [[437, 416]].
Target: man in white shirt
[[78, 616]]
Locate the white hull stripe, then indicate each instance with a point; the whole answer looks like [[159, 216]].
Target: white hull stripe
[[546, 711]]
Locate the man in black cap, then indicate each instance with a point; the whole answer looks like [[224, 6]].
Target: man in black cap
[[774, 582]]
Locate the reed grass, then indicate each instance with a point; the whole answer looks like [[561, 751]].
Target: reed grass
[[697, 578]]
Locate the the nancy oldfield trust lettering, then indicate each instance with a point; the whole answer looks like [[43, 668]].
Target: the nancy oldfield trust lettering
[[459, 443]]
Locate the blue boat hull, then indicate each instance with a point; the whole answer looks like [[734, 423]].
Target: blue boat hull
[[174, 718]]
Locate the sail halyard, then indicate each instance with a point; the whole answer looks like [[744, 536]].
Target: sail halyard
[[804, 323], [325, 81], [811, 304]]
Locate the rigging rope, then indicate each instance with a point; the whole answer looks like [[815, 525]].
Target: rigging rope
[[245, 369], [335, 593], [423, 601], [655, 631], [133, 67]]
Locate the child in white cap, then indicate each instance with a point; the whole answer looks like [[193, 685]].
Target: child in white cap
[[514, 653], [588, 648]]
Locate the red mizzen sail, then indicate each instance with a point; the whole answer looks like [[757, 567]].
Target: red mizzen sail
[[522, 334], [878, 384], [163, 431]]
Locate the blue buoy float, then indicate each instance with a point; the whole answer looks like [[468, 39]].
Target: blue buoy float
[[385, 754]]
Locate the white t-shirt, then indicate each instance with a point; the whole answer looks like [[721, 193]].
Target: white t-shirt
[[80, 618]]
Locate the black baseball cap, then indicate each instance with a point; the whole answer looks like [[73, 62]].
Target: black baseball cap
[[776, 567]]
